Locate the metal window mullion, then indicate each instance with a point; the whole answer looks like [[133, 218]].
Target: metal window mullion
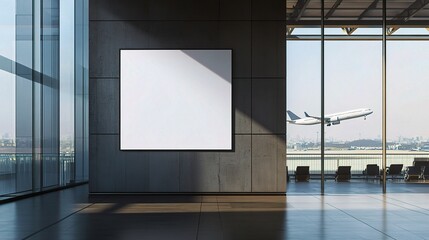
[[322, 100], [384, 98]]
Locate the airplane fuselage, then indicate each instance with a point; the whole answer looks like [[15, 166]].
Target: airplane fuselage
[[305, 121], [333, 119]]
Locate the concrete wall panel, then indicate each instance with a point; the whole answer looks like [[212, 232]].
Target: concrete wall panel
[[164, 172], [102, 10], [235, 10], [107, 37], [237, 35], [106, 112], [184, 34], [93, 159], [268, 10], [110, 168], [199, 172], [92, 106], [241, 88], [235, 167], [268, 106], [154, 10], [281, 163], [268, 49], [254, 30], [184, 10], [265, 157], [137, 177]]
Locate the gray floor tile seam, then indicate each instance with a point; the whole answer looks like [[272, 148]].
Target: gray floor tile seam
[[371, 196], [396, 205], [361, 221], [325, 197], [58, 221], [316, 197], [393, 229], [414, 210], [409, 231], [414, 205], [199, 221], [294, 195], [222, 227]]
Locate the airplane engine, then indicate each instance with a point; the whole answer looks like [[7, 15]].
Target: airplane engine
[[335, 121]]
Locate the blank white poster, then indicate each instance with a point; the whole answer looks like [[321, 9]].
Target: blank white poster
[[175, 99]]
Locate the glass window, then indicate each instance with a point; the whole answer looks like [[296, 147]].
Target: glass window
[[7, 98], [407, 88], [303, 59], [67, 91], [40, 41]]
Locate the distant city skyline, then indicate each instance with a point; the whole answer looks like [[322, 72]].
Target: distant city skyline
[[400, 139]]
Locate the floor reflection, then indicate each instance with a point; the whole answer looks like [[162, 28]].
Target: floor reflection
[[356, 186], [69, 214]]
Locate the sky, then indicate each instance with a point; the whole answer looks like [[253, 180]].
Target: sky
[[353, 80], [7, 80]]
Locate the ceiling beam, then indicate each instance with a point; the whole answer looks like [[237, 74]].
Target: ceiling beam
[[412, 10], [296, 15], [289, 31], [358, 38], [299, 9], [332, 10], [408, 13], [370, 7], [390, 31], [373, 5], [357, 24], [348, 30]]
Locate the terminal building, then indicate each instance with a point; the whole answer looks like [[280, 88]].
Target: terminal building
[[178, 119]]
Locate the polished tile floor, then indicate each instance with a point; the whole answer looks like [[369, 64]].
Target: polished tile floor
[[69, 214]]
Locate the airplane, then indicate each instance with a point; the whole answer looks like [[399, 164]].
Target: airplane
[[331, 119]]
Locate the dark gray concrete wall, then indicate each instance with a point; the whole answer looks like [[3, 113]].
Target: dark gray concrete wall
[[255, 30]]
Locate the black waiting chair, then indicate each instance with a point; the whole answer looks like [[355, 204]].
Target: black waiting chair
[[343, 173], [394, 170], [421, 163], [302, 173], [372, 170], [420, 160], [425, 173], [419, 170], [412, 173]]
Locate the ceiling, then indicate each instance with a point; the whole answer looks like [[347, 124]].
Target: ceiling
[[352, 14]]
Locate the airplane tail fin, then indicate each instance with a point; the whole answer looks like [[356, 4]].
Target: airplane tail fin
[[306, 114], [292, 115]]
